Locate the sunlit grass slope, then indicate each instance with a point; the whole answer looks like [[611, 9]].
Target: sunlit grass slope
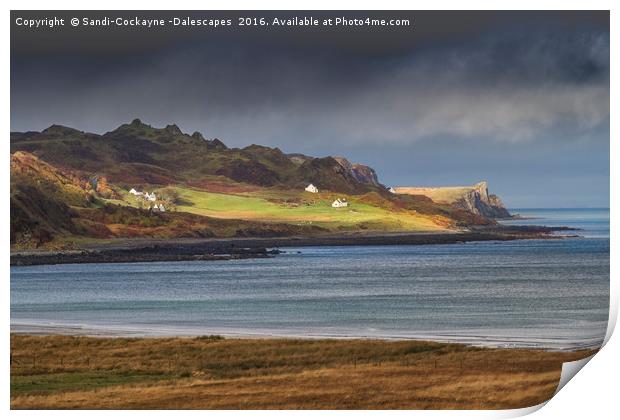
[[292, 207], [437, 194]]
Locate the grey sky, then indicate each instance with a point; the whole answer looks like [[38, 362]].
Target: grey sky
[[518, 99]]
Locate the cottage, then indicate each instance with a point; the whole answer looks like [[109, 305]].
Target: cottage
[[134, 192], [392, 190], [150, 197], [161, 207], [340, 202], [311, 188]]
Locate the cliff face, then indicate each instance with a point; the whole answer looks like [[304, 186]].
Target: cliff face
[[479, 201], [362, 173], [475, 199], [365, 174]]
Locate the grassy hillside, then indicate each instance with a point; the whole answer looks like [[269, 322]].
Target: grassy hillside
[[41, 200], [301, 208], [438, 194], [55, 208], [138, 153], [67, 186]]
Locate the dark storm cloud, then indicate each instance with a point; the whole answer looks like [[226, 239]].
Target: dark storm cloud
[[478, 78]]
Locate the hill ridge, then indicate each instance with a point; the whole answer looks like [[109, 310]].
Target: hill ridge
[[177, 156]]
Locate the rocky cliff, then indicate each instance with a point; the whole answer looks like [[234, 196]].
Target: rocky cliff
[[479, 201], [475, 199], [362, 173]]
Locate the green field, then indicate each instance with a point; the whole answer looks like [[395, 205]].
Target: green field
[[304, 208], [437, 194], [275, 205]]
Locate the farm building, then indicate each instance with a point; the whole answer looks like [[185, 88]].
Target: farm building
[[157, 207], [311, 188], [340, 202], [134, 192]]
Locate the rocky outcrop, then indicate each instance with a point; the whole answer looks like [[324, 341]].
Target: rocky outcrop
[[218, 144], [174, 130], [475, 199], [299, 158], [362, 173], [365, 174], [479, 201]]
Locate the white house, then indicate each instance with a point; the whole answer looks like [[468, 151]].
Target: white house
[[392, 190], [340, 202], [311, 188], [134, 192], [161, 207], [150, 197]]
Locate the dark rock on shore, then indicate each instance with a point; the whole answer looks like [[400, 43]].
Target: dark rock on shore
[[241, 248], [144, 254]]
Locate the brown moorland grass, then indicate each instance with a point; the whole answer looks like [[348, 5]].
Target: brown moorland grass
[[213, 373]]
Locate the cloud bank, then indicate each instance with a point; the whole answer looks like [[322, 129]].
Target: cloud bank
[[461, 91]]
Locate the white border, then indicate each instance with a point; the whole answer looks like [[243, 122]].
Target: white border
[[592, 394]]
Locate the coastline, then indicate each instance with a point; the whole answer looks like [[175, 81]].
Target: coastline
[[35, 328], [192, 249], [94, 367]]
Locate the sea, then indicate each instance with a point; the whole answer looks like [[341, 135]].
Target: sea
[[549, 294]]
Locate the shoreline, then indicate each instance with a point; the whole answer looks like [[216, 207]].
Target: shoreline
[[218, 249], [128, 332]]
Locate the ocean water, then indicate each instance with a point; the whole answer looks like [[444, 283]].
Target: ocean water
[[527, 293], [592, 223]]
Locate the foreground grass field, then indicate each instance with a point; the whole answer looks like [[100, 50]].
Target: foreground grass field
[[215, 373]]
